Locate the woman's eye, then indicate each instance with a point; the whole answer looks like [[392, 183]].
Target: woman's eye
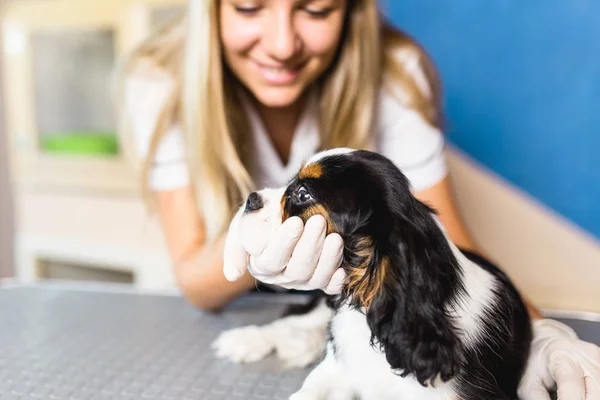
[[248, 10], [303, 195], [318, 13]]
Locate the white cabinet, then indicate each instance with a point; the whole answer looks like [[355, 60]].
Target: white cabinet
[[76, 197]]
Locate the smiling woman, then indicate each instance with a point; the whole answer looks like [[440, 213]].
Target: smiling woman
[[240, 93]]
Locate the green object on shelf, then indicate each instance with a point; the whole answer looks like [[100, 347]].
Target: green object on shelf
[[81, 142]]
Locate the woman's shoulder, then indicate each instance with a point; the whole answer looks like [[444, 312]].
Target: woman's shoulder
[[410, 83], [414, 144], [394, 105], [405, 129]]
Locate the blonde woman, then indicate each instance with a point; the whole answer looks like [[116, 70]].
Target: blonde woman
[[236, 95]]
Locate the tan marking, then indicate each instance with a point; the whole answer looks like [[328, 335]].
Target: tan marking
[[319, 209], [362, 287], [311, 171]]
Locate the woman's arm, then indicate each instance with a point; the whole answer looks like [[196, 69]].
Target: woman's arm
[[198, 267], [441, 198]]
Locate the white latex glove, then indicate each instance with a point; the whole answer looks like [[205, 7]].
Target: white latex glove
[[560, 361], [296, 256]]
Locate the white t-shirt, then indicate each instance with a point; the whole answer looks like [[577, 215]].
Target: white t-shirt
[[401, 134]]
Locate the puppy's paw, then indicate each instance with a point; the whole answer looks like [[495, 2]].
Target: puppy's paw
[[243, 345], [298, 348]]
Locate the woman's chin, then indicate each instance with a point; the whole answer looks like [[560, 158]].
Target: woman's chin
[[278, 97]]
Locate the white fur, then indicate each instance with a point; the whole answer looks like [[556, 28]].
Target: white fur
[[325, 382], [326, 153], [469, 310], [479, 285], [257, 227]]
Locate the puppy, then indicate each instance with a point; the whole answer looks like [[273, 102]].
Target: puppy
[[417, 317]]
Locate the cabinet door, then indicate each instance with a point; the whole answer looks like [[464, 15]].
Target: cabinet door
[[60, 117], [71, 74], [60, 112]]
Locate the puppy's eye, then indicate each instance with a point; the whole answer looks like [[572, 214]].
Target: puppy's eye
[[303, 195]]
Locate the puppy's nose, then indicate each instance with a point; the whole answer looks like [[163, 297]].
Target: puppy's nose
[[254, 202]]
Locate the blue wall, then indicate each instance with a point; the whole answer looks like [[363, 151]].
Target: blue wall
[[522, 83]]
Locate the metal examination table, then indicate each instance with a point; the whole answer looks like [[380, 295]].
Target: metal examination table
[[77, 341]]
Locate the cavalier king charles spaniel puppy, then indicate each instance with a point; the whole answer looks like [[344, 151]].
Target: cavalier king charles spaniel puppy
[[417, 317]]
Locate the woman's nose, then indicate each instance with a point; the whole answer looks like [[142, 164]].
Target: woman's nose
[[281, 40], [254, 202]]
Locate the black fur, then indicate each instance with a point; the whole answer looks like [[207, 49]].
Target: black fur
[[367, 196], [300, 309]]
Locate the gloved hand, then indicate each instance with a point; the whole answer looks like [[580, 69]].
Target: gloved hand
[[295, 256], [560, 361]]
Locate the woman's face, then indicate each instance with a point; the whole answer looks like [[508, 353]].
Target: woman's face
[[277, 48]]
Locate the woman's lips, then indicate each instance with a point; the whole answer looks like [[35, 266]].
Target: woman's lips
[[279, 75]]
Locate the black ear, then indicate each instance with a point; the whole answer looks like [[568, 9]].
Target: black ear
[[409, 316], [411, 277]]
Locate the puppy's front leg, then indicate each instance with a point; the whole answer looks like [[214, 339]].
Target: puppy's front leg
[[325, 382], [299, 340]]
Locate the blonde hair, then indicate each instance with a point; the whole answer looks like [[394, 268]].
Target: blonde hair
[[210, 113]]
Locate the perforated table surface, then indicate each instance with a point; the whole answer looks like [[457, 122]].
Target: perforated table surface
[[81, 341], [85, 342]]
